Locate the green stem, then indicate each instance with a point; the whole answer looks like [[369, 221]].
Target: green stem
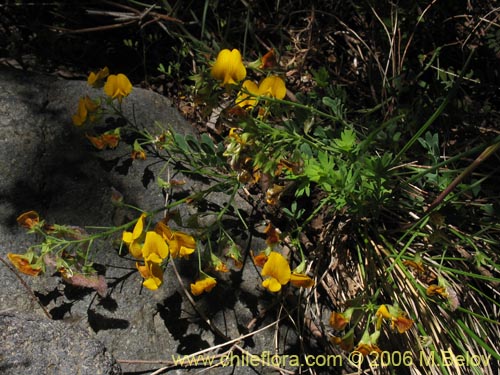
[[231, 199], [446, 162], [481, 158]]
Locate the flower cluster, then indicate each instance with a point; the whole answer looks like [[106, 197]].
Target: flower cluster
[[239, 151], [28, 263], [248, 155], [230, 70], [115, 87], [368, 343], [106, 140], [155, 247], [205, 282], [441, 289], [61, 251]]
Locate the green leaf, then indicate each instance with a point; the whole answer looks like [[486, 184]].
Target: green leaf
[[347, 140], [336, 105], [321, 76], [330, 102], [193, 143], [305, 150], [181, 142], [207, 144]]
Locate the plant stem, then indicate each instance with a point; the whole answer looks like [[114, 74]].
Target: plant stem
[[23, 283], [481, 158]]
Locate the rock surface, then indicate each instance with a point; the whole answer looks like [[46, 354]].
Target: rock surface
[[34, 345], [48, 166]]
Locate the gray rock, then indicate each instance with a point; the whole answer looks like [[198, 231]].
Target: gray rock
[[47, 165], [46, 162], [36, 345]]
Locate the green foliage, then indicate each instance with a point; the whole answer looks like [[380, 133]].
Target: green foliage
[[321, 77], [493, 40], [386, 107]]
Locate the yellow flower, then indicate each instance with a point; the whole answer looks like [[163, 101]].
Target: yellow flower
[[217, 264], [233, 134], [228, 67], [395, 315], [152, 273], [109, 140], [338, 321], [86, 109], [246, 97], [234, 253], [272, 234], [416, 265], [154, 249], [28, 219], [273, 194], [96, 79], [138, 152], [133, 239], [273, 86], [23, 264], [138, 155], [301, 280], [434, 289], [260, 259], [382, 313], [445, 291], [117, 86], [401, 323], [277, 270], [368, 344], [81, 114], [346, 342], [180, 244], [268, 60], [367, 349], [205, 284]]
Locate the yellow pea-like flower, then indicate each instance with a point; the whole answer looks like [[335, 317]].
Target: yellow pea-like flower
[[228, 67]]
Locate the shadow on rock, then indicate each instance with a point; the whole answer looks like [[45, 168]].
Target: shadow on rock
[[99, 322]]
